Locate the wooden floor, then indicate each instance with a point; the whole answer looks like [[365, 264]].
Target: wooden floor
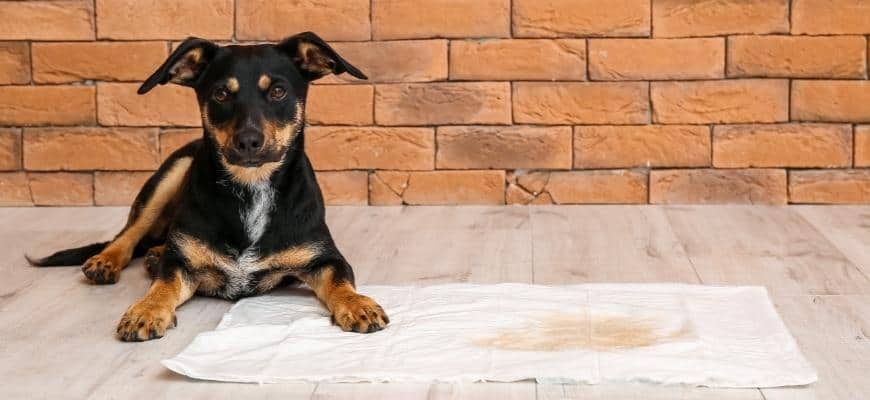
[[56, 329]]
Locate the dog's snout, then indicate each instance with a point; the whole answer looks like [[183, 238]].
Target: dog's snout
[[248, 142]]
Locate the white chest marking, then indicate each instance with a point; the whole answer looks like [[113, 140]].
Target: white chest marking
[[255, 218]]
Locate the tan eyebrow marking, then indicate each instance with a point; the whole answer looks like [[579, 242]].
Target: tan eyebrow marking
[[233, 85], [264, 82]]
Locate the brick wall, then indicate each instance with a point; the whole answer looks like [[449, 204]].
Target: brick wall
[[470, 101]]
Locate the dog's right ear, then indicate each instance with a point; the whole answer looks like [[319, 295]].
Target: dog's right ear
[[184, 66]]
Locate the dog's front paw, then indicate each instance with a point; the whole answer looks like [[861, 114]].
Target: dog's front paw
[[101, 270], [145, 321], [152, 258], [359, 313]]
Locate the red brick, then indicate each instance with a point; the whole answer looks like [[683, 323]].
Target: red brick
[[174, 139], [14, 189], [712, 186], [118, 188], [169, 105], [641, 146], [597, 187], [61, 188], [443, 103], [797, 56], [581, 103], [862, 146], [394, 61], [454, 187], [675, 18], [409, 19], [14, 63], [639, 59], [84, 148], [479, 147], [340, 105], [46, 20], [47, 105], [107, 61], [830, 187], [838, 17], [836, 101], [164, 19], [339, 148], [10, 149], [561, 18], [518, 59], [782, 145], [386, 187], [728, 101], [330, 19], [344, 187]]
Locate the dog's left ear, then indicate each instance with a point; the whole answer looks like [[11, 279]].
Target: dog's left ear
[[184, 66], [314, 58]]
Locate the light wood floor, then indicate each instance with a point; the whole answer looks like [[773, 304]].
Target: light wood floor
[[56, 330]]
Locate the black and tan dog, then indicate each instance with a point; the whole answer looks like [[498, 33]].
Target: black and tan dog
[[238, 212]]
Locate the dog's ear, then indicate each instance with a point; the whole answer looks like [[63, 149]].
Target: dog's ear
[[184, 66], [314, 58]]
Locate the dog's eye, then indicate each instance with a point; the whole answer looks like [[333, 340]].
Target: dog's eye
[[277, 93], [221, 94]]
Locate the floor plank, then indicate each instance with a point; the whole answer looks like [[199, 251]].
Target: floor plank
[[846, 227]]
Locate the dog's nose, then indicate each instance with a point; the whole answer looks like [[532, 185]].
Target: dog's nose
[[248, 142]]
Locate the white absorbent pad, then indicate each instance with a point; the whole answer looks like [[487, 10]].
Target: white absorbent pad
[[653, 333]]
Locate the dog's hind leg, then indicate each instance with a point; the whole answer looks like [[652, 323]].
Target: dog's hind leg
[[149, 215]]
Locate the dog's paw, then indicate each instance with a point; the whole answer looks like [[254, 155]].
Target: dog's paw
[[101, 270], [145, 321], [360, 314], [152, 257]]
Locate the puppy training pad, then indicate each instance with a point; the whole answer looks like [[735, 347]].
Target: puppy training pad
[[653, 333]]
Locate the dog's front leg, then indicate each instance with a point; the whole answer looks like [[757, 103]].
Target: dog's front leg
[[152, 315], [333, 284]]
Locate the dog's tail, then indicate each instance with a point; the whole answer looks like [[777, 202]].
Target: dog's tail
[[74, 256]]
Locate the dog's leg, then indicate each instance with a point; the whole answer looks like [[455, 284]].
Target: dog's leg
[[152, 257], [151, 316], [146, 213], [333, 284]]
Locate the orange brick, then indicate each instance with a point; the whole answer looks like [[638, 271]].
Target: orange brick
[[174, 139], [782, 145], [728, 101], [163, 106], [386, 187], [638, 59], [14, 63], [340, 105], [394, 61], [409, 19], [581, 103], [712, 186], [454, 187], [836, 101], [597, 187], [518, 59], [47, 20], [14, 189], [830, 187], [675, 18], [47, 105], [337, 148], [830, 17], [797, 56], [107, 61], [560, 18], [61, 188], [511, 147], [641, 146], [84, 148], [118, 188], [344, 187], [164, 19], [443, 103], [862, 146], [330, 19], [10, 149]]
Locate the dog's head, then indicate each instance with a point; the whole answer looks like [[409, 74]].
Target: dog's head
[[252, 98]]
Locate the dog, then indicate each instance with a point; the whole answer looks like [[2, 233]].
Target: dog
[[239, 211]]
